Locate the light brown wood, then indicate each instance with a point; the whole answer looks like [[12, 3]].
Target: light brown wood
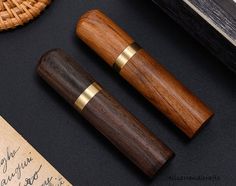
[[103, 35], [21, 164], [144, 73], [166, 93]]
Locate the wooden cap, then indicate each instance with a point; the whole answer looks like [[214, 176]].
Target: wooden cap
[[101, 34], [64, 74]]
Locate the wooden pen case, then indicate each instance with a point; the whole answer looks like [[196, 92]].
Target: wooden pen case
[[143, 72], [119, 126]]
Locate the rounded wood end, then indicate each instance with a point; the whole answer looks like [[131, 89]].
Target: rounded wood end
[[197, 128], [101, 34]]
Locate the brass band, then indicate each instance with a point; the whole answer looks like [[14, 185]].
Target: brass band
[[125, 56], [87, 95]]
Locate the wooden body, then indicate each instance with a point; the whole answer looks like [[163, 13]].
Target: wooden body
[[128, 134], [211, 22], [166, 93], [151, 79], [110, 118]]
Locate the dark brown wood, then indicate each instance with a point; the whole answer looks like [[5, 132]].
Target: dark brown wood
[[211, 22], [151, 79], [119, 126], [63, 74], [127, 133]]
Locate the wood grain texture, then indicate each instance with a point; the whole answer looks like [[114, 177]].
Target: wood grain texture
[[127, 133], [212, 23], [110, 118], [108, 40], [144, 73], [64, 74], [166, 93], [221, 15]]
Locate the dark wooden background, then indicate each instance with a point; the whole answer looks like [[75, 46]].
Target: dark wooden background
[[211, 22]]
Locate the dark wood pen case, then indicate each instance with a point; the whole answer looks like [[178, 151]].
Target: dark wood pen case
[[119, 126]]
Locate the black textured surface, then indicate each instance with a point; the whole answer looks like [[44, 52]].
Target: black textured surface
[[77, 150], [221, 13]]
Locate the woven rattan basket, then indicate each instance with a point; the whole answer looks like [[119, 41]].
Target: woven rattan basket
[[17, 12]]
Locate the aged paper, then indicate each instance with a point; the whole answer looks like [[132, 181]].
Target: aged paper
[[21, 164]]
